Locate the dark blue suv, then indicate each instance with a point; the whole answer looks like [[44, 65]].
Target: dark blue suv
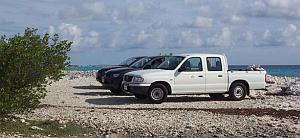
[[113, 78], [126, 63]]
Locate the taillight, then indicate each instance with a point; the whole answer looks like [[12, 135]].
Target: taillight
[[266, 78]]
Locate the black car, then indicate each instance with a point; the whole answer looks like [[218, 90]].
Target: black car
[[126, 63], [113, 78]]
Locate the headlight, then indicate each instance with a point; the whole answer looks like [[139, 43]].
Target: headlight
[[116, 75], [138, 79]]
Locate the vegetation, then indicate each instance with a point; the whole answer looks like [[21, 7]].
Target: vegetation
[[45, 128], [28, 63]]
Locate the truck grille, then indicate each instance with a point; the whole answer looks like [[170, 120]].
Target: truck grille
[[128, 78]]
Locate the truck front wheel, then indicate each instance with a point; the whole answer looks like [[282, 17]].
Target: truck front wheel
[[237, 91], [116, 91], [157, 93]]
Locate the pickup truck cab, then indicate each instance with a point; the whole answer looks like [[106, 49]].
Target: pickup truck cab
[[193, 74]]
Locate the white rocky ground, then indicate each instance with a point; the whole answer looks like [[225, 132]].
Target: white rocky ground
[[79, 97]]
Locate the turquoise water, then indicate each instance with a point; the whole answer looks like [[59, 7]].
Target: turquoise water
[[275, 70], [85, 68]]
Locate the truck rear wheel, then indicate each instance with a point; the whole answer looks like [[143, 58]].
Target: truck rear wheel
[[237, 91], [157, 93]]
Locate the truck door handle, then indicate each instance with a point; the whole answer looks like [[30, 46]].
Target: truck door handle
[[200, 76], [220, 76]]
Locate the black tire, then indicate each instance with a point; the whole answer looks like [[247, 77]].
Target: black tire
[[157, 93], [237, 91], [216, 95], [140, 96], [116, 91]]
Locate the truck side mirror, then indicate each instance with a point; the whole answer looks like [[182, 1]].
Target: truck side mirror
[[182, 68], [147, 67]]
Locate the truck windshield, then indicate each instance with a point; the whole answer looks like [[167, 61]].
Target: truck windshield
[[171, 63], [140, 63], [128, 61]]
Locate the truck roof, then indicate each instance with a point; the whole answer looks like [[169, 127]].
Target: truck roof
[[200, 54]]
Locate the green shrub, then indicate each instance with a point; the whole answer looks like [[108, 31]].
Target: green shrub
[[28, 63]]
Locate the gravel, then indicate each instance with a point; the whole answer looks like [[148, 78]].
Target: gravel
[[80, 98]]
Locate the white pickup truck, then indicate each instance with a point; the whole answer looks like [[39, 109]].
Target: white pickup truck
[[193, 74]]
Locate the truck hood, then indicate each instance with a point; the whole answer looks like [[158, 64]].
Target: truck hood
[[119, 71], [149, 72], [110, 67]]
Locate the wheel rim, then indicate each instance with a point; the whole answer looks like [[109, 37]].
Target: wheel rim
[[238, 91], [157, 94]]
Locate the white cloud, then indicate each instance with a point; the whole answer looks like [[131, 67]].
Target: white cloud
[[116, 17], [204, 10], [71, 32], [267, 35], [85, 11], [189, 38], [136, 8], [286, 7], [269, 39], [289, 30], [98, 8], [235, 19], [248, 36], [191, 2], [51, 29], [223, 39], [289, 35], [142, 36], [115, 39], [75, 34], [91, 38], [203, 22], [275, 8]]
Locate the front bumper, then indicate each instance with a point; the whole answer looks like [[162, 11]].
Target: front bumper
[[112, 83], [99, 76], [141, 89]]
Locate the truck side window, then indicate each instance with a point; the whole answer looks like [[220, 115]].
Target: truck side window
[[157, 62], [193, 64], [214, 64]]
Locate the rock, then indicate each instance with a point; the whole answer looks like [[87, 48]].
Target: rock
[[36, 128], [62, 122], [189, 126], [22, 120]]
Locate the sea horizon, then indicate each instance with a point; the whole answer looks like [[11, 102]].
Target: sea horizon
[[274, 70]]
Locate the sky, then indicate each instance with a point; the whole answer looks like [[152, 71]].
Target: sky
[[109, 31]]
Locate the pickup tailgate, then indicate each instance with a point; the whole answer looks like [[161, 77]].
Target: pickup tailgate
[[255, 79]]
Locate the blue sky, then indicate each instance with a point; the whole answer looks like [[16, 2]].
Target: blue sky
[[108, 31]]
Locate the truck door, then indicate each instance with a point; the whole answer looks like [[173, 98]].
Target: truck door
[[216, 79], [190, 78]]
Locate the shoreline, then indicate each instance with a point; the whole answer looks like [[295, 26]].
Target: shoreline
[[94, 71]]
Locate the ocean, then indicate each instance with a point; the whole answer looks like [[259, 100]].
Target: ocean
[[274, 70]]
